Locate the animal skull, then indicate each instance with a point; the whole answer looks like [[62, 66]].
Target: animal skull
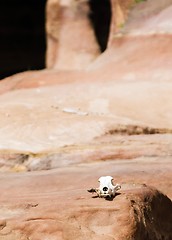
[[106, 188]]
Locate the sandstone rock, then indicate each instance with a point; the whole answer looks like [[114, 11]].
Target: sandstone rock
[[139, 212], [156, 18], [61, 130], [39, 110], [66, 22]]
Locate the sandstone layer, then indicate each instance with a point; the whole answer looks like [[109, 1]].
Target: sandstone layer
[[51, 208], [60, 130]]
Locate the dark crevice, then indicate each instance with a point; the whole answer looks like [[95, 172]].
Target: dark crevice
[[137, 130], [100, 16], [22, 36]]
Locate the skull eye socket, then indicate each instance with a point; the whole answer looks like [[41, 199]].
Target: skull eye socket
[[105, 189]]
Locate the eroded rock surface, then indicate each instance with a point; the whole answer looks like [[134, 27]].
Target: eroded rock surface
[[61, 130], [48, 207]]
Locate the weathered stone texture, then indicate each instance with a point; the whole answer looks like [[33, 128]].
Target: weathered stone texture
[[67, 21], [61, 130]]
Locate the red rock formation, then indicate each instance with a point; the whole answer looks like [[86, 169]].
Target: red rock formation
[[66, 22], [41, 208], [111, 118]]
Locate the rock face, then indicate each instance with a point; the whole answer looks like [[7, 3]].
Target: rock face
[[68, 20], [46, 211], [61, 130]]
